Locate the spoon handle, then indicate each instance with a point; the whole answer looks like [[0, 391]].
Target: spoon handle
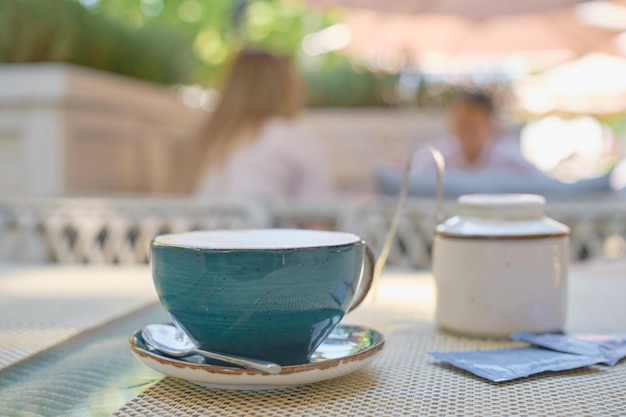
[[256, 364]]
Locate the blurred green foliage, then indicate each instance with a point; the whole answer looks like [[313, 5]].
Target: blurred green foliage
[[215, 30], [62, 31], [183, 42], [339, 81]]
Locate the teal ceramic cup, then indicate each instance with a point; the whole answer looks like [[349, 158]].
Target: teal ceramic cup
[[272, 294]]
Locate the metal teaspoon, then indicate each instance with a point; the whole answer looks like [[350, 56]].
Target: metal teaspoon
[[173, 342]]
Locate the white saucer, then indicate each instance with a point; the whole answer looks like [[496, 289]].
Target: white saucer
[[347, 349]]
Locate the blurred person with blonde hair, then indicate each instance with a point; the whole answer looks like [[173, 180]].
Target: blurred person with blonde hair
[[252, 146]]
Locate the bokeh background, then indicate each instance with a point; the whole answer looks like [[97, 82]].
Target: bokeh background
[[557, 69]]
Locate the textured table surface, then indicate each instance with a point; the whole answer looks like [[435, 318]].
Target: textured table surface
[[75, 359], [42, 306]]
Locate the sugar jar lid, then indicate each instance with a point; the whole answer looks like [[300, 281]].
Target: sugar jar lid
[[502, 206]]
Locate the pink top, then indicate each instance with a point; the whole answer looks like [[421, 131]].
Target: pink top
[[284, 162]]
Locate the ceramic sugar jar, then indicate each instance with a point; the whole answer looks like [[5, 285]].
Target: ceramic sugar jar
[[500, 266]]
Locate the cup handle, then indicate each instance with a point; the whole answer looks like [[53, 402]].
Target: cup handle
[[366, 279]]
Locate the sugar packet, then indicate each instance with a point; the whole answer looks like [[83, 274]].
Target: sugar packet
[[611, 347], [506, 364]]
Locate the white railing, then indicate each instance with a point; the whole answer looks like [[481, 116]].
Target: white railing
[[119, 230], [108, 230]]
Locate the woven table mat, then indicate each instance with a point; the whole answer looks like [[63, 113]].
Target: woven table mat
[[403, 380], [41, 307], [92, 375], [22, 340], [32, 327]]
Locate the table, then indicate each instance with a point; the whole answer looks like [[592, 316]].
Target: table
[[64, 352]]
